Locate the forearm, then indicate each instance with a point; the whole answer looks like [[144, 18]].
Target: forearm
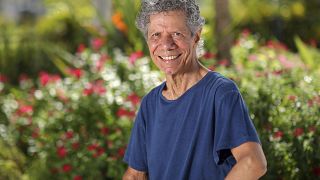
[[132, 174], [247, 169]]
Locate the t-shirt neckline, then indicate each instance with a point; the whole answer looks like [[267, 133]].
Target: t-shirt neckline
[[201, 81]]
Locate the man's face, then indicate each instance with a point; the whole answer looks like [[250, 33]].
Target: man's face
[[171, 45]]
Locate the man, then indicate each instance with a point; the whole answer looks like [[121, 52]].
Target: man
[[195, 125]]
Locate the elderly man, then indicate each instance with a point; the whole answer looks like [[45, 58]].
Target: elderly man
[[195, 125]]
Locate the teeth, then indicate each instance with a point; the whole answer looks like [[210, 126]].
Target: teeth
[[168, 57]]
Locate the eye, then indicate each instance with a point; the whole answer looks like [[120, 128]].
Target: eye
[[177, 34], [157, 34]]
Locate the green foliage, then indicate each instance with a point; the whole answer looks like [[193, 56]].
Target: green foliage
[[78, 125]]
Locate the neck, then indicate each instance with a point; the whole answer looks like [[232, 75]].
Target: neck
[[179, 83]]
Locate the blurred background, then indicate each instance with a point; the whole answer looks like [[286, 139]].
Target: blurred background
[[72, 74]]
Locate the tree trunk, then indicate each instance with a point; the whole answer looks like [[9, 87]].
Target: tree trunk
[[223, 35]]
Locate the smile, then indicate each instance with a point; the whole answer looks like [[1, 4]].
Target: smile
[[169, 58]]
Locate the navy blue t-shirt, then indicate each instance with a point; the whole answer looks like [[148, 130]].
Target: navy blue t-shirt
[[190, 137]]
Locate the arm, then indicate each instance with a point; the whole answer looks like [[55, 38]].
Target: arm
[[251, 162], [132, 174]]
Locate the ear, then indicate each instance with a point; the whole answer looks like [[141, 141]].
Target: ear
[[197, 36]]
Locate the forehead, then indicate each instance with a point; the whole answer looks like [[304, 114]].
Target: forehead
[[168, 19]]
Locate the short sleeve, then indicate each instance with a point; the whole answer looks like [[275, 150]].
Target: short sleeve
[[233, 125], [135, 155]]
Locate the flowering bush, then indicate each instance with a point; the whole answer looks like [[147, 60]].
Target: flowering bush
[[77, 126], [283, 96]]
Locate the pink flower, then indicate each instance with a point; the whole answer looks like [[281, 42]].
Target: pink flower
[[77, 177], [25, 110], [76, 73], [298, 132], [66, 168], [245, 33], [44, 78], [97, 43], [134, 98], [81, 48], [285, 62], [100, 63], [96, 87], [134, 56], [61, 152], [252, 57]]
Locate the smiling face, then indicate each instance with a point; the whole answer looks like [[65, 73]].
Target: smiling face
[[171, 44]]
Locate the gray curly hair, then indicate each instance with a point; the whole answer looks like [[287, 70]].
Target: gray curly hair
[[189, 7]]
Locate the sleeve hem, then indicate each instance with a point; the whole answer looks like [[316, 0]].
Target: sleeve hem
[[233, 145], [135, 166]]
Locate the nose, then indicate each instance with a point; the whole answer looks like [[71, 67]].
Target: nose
[[168, 43]]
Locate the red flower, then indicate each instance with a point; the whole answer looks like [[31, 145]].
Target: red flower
[[278, 134], [208, 55], [76, 73], [54, 170], [316, 171], [66, 168], [125, 113], [35, 133], [44, 78], [312, 129], [121, 151], [134, 98], [99, 152], [97, 43], [92, 147], [292, 97], [134, 56], [69, 134], [104, 130], [75, 145], [313, 42], [23, 77], [77, 177], [298, 132], [81, 48], [61, 152], [55, 78], [224, 62], [3, 78]]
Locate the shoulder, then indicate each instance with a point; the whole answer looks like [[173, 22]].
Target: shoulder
[[152, 96], [221, 84]]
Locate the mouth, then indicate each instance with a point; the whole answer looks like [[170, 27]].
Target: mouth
[[169, 58]]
